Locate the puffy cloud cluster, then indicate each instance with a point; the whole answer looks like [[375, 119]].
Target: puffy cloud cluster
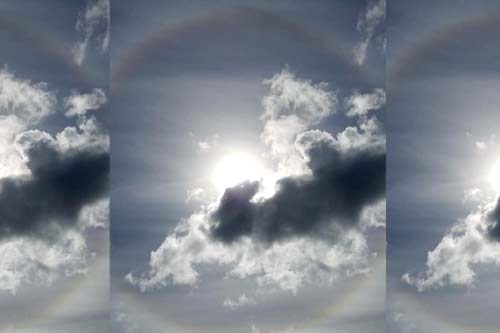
[[22, 103], [360, 104], [78, 104], [368, 24], [93, 24], [292, 107], [30, 102], [472, 241], [53, 187], [286, 265], [25, 260], [311, 227]]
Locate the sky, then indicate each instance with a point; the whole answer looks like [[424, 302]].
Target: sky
[[248, 166], [221, 166], [442, 127], [54, 166]]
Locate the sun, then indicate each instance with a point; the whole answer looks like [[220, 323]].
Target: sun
[[236, 168], [494, 177]]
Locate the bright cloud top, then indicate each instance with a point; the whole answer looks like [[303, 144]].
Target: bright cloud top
[[30, 102], [54, 188], [250, 226]]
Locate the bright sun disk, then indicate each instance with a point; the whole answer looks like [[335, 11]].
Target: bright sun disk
[[236, 168]]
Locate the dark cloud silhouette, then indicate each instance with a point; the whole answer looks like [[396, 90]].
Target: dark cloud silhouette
[[61, 184], [494, 231], [341, 185]]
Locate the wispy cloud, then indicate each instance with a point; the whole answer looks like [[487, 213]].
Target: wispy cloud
[[78, 104], [242, 300], [367, 25], [93, 25]]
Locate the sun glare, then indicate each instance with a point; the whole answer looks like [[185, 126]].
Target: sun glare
[[494, 177], [236, 168]]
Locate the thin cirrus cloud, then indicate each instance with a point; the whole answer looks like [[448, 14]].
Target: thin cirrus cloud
[[368, 24], [55, 188], [246, 229], [93, 26]]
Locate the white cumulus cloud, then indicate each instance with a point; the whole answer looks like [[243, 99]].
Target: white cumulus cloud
[[453, 260], [292, 110]]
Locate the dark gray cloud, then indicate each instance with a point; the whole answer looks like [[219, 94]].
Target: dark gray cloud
[[494, 231], [61, 183], [341, 185]]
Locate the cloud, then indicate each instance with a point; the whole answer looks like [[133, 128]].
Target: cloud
[[93, 24], [472, 241], [472, 195], [11, 163], [494, 229], [242, 300], [28, 102], [254, 329], [43, 214], [301, 260], [78, 104], [52, 188], [481, 145], [312, 213], [292, 106], [37, 262], [204, 146], [368, 24], [360, 104], [197, 195], [60, 185], [22, 104], [403, 322], [125, 322], [341, 185]]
